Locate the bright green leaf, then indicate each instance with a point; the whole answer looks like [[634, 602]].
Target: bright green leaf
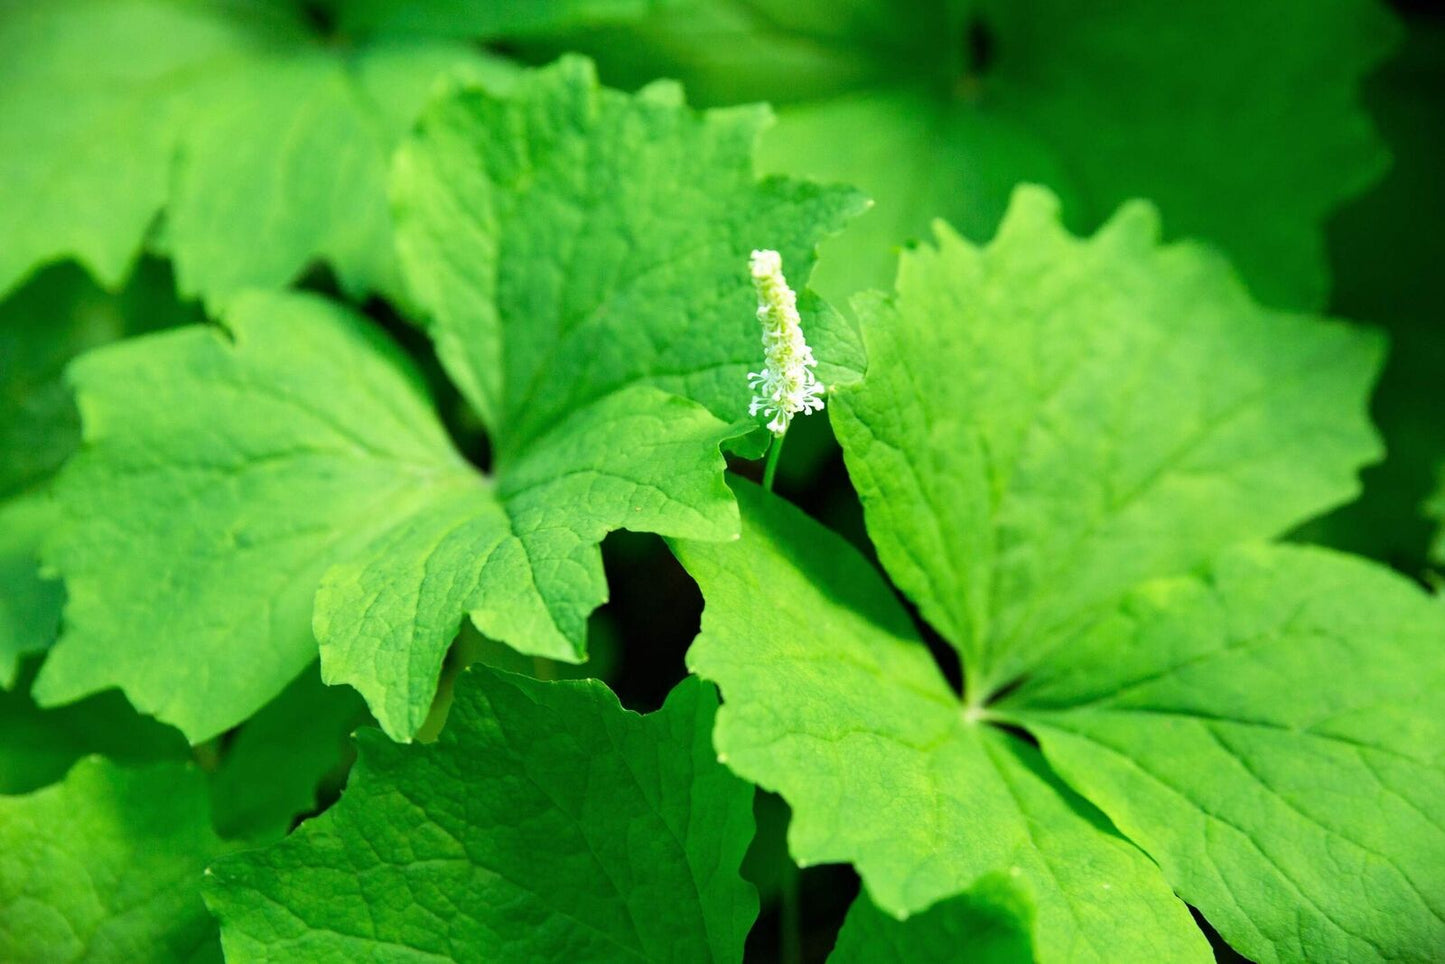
[[224, 471], [91, 98], [106, 866], [988, 925], [285, 162], [1049, 431], [571, 240], [304, 454], [1047, 420], [58, 314], [265, 145], [832, 701], [547, 823], [229, 473], [1272, 732], [522, 559]]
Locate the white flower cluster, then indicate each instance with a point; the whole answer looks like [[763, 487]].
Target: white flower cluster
[[786, 385]]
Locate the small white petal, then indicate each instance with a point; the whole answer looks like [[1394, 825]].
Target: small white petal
[[787, 384]]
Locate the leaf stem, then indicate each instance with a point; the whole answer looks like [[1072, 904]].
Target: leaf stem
[[775, 451], [208, 755], [791, 923]]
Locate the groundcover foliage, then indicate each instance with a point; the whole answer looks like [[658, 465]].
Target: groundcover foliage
[[339, 342]]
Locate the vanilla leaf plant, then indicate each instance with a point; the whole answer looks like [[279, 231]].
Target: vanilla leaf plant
[[1075, 457], [337, 340]]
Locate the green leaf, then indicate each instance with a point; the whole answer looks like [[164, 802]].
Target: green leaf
[[462, 18], [1067, 451], [309, 183], [522, 559], [1435, 509], [1380, 247], [832, 701], [305, 455], [229, 473], [570, 241], [260, 778], [740, 51], [987, 925], [265, 145], [270, 771], [106, 867], [38, 746], [1048, 420], [1240, 119], [224, 470], [547, 823], [29, 604], [57, 315], [91, 98], [1270, 731]]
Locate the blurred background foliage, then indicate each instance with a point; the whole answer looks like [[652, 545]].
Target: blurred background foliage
[[1302, 137]]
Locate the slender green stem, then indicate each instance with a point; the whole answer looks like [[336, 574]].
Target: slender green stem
[[791, 924], [208, 754], [775, 451]]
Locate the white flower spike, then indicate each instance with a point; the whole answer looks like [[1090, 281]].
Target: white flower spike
[[786, 386]]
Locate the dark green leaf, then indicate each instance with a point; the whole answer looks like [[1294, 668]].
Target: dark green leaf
[[547, 823]]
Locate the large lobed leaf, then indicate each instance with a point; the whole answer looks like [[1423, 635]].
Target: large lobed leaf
[[1257, 726], [1047, 420], [265, 145], [224, 470], [56, 315], [1271, 732], [228, 470], [547, 823], [231, 472], [569, 241], [832, 700], [105, 867]]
